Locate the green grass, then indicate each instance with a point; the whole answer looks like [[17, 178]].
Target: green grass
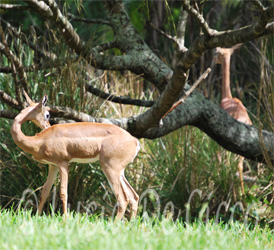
[[20, 230]]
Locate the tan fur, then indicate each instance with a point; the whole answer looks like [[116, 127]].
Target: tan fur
[[232, 106], [79, 142]]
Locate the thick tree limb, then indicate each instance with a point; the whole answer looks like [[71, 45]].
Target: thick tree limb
[[234, 136], [187, 93]]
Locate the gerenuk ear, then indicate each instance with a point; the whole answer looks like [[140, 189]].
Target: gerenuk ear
[[28, 100], [43, 102], [235, 47]]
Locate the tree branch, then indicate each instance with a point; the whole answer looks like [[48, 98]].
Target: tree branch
[[199, 18], [7, 114], [259, 5], [14, 7], [74, 116], [269, 29], [117, 99], [50, 10], [85, 20], [68, 113], [172, 38], [4, 97], [181, 30]]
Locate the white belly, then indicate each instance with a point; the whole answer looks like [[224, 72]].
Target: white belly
[[78, 160], [85, 160]]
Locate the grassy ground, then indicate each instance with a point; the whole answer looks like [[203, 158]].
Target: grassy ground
[[23, 231]]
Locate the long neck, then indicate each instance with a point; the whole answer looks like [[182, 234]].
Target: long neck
[[24, 142], [226, 91]]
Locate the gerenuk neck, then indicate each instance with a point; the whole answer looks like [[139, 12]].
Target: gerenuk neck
[[226, 91], [22, 141]]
